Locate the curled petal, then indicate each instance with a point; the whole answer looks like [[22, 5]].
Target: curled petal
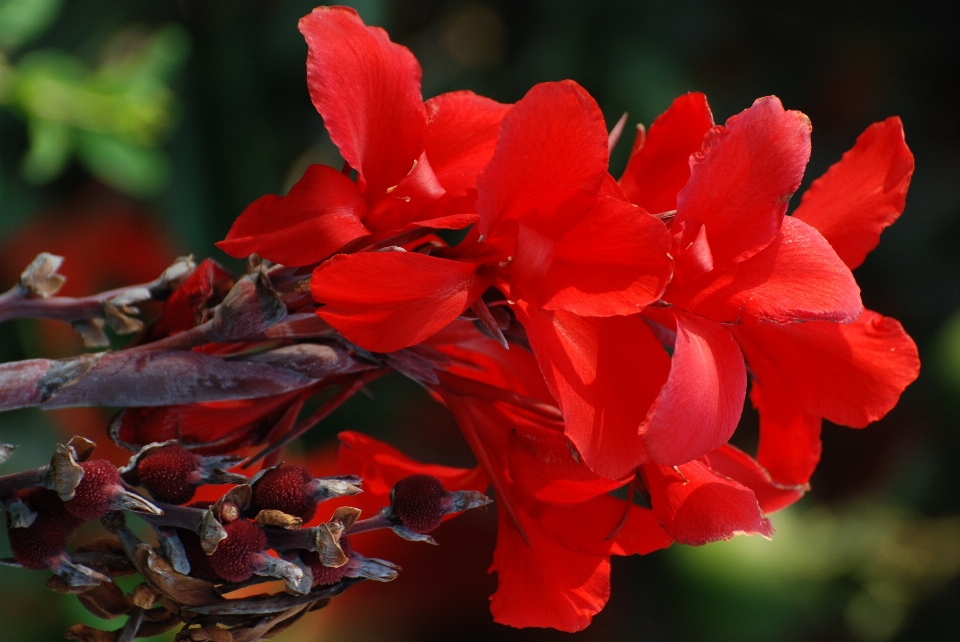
[[697, 505], [322, 213], [741, 467], [741, 182], [659, 166], [863, 193], [368, 91], [797, 277], [550, 161], [385, 301], [699, 406]]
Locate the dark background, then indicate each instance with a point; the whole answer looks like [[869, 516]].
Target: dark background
[[872, 553]]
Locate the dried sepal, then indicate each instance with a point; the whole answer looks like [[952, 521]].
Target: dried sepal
[[372, 568], [40, 278], [91, 332], [86, 633], [5, 451], [327, 545], [118, 317], [82, 447], [19, 515], [462, 500], [412, 536], [65, 474], [106, 601], [74, 574], [289, 572], [211, 532], [145, 596], [182, 589], [172, 549], [174, 276], [239, 496], [269, 517], [347, 516]]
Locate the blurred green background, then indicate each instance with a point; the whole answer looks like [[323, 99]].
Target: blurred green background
[[134, 131]]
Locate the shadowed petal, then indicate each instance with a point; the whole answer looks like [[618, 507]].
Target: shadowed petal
[[605, 373], [659, 166], [700, 404], [385, 301]]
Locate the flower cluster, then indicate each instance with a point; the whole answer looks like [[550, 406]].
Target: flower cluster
[[593, 337]]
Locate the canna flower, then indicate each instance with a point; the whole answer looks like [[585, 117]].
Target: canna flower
[[753, 283], [416, 161]]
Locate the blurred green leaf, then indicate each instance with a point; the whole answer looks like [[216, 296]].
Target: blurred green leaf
[[130, 168], [21, 20]]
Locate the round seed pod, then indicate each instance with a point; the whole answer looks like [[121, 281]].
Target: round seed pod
[[48, 534], [171, 473], [417, 501], [232, 559], [285, 489], [96, 490]]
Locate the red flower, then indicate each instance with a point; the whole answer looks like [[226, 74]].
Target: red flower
[[746, 273], [416, 162]]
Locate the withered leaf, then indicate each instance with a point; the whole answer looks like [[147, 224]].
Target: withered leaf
[[106, 601], [181, 588], [271, 517]]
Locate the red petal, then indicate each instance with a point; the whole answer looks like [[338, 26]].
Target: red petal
[[210, 428], [852, 374], [702, 506], [789, 437], [740, 183], [189, 304], [700, 404], [741, 467], [605, 373], [550, 161], [660, 166], [385, 301], [544, 583], [462, 130], [595, 527], [545, 467], [368, 91], [798, 277], [381, 466], [863, 193], [322, 212], [615, 261]]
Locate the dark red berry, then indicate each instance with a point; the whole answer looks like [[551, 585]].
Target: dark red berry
[[48, 534], [284, 489], [232, 559], [417, 502], [171, 473], [327, 575], [96, 490]]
